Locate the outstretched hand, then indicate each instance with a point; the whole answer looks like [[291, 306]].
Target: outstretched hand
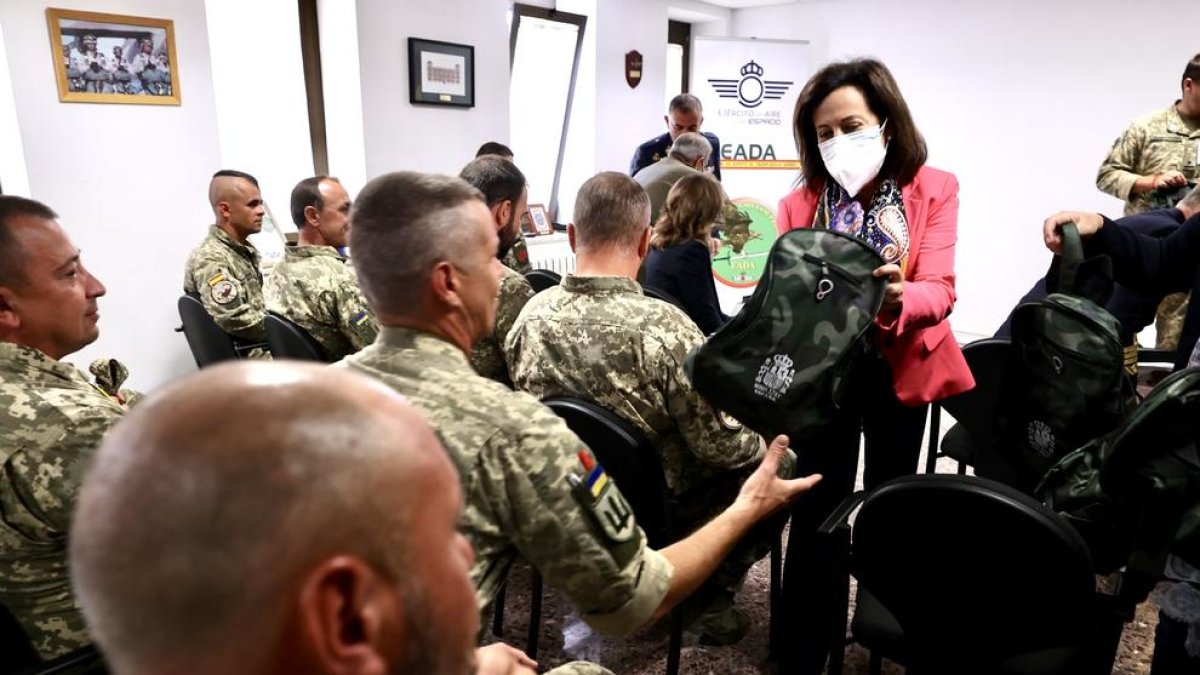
[[764, 492], [501, 659]]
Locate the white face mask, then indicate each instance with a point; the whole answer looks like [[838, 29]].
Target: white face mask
[[854, 159]]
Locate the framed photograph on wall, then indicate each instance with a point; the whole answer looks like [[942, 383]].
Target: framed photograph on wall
[[541, 223], [441, 73], [113, 58]]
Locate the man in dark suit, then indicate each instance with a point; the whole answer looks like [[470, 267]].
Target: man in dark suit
[[684, 114]]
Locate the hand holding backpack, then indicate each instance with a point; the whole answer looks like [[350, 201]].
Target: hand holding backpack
[[780, 365]]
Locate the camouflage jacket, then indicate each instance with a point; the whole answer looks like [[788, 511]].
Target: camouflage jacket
[[488, 356], [529, 485], [600, 339], [1153, 144], [225, 275], [52, 423], [314, 288]]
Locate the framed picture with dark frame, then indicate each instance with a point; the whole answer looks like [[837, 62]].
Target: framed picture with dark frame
[[113, 58], [541, 223], [441, 73]]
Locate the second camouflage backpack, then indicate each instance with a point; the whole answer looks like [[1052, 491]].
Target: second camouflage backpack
[[1064, 382], [779, 366], [1134, 494]]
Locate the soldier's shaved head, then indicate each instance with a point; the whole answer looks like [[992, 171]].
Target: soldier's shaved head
[[269, 517], [12, 260], [236, 203], [612, 211], [226, 185]]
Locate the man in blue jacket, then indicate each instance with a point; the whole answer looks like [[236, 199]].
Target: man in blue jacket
[[684, 114]]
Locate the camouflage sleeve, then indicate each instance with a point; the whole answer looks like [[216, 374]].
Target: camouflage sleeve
[[236, 305], [1122, 167], [564, 515], [515, 291], [715, 439], [47, 473], [354, 317]]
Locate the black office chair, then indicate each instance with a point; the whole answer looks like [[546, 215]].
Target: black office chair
[[209, 344], [659, 294], [633, 462], [974, 410], [290, 341], [542, 279], [959, 574]]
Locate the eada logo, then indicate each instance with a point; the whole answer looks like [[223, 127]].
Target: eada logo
[[751, 90]]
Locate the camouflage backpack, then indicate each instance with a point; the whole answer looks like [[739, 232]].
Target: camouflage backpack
[[1064, 383], [779, 366], [1134, 494]]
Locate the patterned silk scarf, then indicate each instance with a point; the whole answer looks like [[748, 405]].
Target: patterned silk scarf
[[884, 227]]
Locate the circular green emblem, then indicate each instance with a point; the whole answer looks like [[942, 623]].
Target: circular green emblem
[[746, 239]]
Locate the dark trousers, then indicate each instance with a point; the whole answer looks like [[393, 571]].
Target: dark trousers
[[893, 433], [1170, 655]]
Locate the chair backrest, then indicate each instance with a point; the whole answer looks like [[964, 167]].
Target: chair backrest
[[628, 457], [981, 578], [209, 344], [542, 279], [659, 294], [975, 409], [290, 341]]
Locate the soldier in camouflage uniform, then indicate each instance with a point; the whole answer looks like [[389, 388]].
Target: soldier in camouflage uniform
[[531, 487], [504, 190], [51, 419], [223, 271], [187, 506], [312, 286], [596, 337], [1151, 166]]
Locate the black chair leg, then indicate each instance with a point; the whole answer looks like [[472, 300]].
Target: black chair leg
[[675, 645], [775, 597], [935, 419], [498, 610], [535, 615]]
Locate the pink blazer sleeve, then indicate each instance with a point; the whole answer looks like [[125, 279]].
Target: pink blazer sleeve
[[929, 292], [783, 220]]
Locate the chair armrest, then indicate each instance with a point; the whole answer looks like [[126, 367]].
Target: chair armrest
[[841, 514]]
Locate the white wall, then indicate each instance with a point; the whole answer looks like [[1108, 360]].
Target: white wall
[[400, 135], [129, 181], [342, 84], [258, 81], [1021, 99], [13, 178]]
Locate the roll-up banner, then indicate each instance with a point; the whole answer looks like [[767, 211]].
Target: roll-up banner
[[749, 88]]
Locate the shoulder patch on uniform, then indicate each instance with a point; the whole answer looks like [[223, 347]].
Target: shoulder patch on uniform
[[361, 318], [728, 421], [224, 292], [601, 499], [216, 279]]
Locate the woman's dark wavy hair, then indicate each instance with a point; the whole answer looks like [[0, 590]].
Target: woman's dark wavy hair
[[906, 146]]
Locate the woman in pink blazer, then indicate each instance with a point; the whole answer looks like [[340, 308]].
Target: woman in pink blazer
[[864, 174]]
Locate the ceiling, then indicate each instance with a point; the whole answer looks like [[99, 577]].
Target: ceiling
[[742, 4]]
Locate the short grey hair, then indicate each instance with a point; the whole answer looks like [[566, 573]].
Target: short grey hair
[[686, 103], [611, 211], [690, 146], [403, 224]]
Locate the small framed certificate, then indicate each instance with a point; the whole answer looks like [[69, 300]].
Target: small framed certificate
[[539, 219]]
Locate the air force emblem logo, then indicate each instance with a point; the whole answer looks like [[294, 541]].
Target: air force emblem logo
[[751, 90]]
